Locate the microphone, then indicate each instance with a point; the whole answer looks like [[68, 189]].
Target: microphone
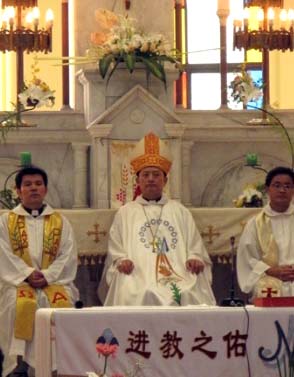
[[79, 304], [232, 300]]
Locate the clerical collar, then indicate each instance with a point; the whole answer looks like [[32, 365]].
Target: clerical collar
[[271, 212], [35, 212], [162, 201], [152, 200]]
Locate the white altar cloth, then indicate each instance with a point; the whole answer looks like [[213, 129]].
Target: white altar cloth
[[169, 341], [216, 226]]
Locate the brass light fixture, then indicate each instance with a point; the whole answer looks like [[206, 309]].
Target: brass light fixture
[[20, 32], [273, 33], [20, 27]]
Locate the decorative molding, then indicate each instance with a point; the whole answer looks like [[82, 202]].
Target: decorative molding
[[99, 130], [174, 130], [137, 116], [137, 92]]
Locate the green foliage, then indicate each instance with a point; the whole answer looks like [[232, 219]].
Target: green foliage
[[281, 128], [176, 293], [11, 120], [153, 64]]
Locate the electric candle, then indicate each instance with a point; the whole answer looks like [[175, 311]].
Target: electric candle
[[223, 5], [291, 17], [49, 18], [251, 159], [270, 16], [246, 18], [25, 159], [260, 17], [283, 18]]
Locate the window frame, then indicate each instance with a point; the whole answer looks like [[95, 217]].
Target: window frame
[[185, 91]]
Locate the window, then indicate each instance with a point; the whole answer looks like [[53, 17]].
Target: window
[[201, 27]]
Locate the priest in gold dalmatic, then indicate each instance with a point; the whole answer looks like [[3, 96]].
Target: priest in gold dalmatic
[[37, 268], [156, 255]]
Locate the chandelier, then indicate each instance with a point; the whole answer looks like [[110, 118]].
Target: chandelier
[[275, 29], [19, 27]]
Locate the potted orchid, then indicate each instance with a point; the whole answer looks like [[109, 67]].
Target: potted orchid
[[244, 89], [36, 94]]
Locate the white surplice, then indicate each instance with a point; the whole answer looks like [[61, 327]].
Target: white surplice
[[13, 272], [250, 267], [136, 228]]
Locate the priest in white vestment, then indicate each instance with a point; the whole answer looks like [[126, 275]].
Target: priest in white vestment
[[265, 256], [156, 255], [37, 269]]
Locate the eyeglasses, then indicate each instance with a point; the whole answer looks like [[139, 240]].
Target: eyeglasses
[[279, 186]]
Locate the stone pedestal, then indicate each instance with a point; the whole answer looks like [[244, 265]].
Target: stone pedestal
[[100, 95]]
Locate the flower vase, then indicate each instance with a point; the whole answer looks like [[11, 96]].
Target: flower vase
[[254, 203], [122, 81]]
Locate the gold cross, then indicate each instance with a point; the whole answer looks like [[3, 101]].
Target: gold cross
[[96, 233], [155, 244], [210, 234]]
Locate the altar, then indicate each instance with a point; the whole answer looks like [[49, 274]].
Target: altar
[[164, 341], [216, 226]]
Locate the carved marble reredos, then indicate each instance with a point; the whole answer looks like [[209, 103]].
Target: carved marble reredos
[[230, 180], [209, 140], [135, 99], [131, 117]]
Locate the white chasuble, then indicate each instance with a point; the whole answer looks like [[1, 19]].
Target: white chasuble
[[250, 266], [14, 271], [158, 237]]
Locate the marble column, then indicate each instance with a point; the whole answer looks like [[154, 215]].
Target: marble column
[[186, 186], [100, 165], [175, 132], [80, 174], [223, 11]]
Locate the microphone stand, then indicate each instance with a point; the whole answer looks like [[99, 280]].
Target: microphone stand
[[232, 300]]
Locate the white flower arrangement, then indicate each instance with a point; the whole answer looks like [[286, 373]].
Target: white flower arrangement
[[117, 40], [252, 196]]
